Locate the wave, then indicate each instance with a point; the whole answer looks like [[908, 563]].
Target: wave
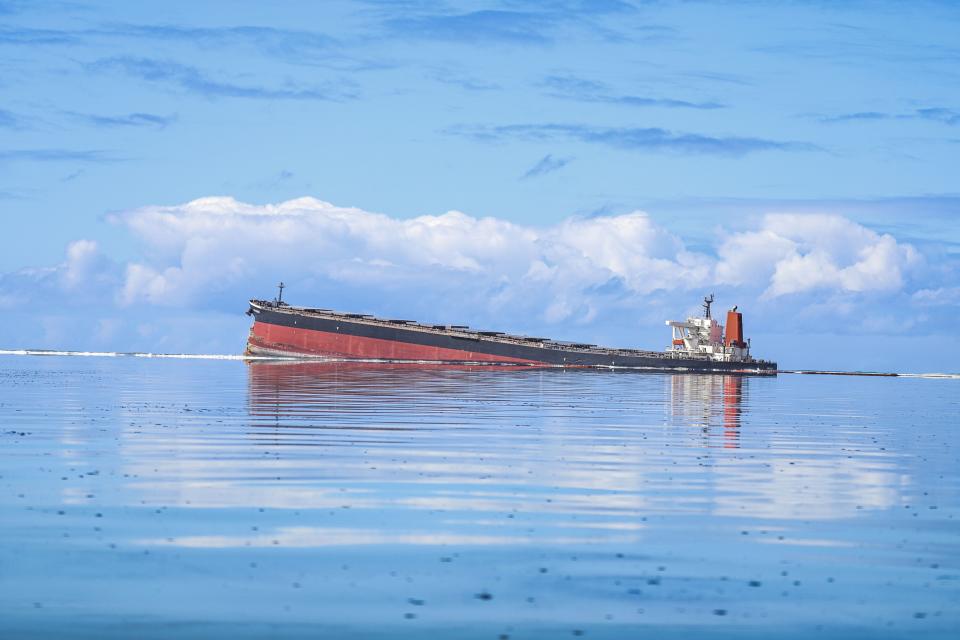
[[953, 376], [132, 354], [51, 352]]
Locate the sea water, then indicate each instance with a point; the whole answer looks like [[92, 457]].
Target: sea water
[[145, 497]]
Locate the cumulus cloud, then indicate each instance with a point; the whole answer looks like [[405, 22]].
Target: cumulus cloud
[[799, 253], [216, 244], [605, 278], [84, 276]]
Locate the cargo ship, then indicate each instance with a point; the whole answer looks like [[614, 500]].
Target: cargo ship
[[282, 330]]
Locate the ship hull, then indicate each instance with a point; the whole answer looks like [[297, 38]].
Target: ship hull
[[284, 332]]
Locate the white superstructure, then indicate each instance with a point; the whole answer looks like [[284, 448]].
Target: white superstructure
[[704, 337]]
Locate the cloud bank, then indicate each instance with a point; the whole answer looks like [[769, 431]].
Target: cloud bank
[[602, 277], [219, 244]]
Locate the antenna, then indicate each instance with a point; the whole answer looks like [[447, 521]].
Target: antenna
[[281, 286], [707, 301]]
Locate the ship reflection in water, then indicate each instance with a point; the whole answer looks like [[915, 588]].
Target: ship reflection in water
[[709, 402], [357, 500], [497, 439], [282, 390]]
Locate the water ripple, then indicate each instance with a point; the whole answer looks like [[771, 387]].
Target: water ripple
[[143, 495]]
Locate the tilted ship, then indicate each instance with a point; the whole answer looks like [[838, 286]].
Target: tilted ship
[[282, 330]]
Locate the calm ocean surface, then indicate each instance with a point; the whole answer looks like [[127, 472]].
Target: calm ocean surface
[[205, 498]]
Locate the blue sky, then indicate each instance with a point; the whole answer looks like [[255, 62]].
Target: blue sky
[[735, 127]]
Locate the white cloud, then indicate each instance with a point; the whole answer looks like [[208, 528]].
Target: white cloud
[[85, 275], [799, 253], [217, 243], [600, 279], [752, 257], [561, 272], [940, 296], [83, 263], [219, 246]]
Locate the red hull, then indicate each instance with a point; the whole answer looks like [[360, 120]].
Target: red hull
[[272, 337]]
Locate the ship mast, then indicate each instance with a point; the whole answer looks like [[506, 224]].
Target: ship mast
[[280, 286], [707, 301]]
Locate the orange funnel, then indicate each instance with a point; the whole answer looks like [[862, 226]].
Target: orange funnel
[[735, 329]]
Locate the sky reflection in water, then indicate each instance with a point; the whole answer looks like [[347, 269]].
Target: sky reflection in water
[[232, 499]]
